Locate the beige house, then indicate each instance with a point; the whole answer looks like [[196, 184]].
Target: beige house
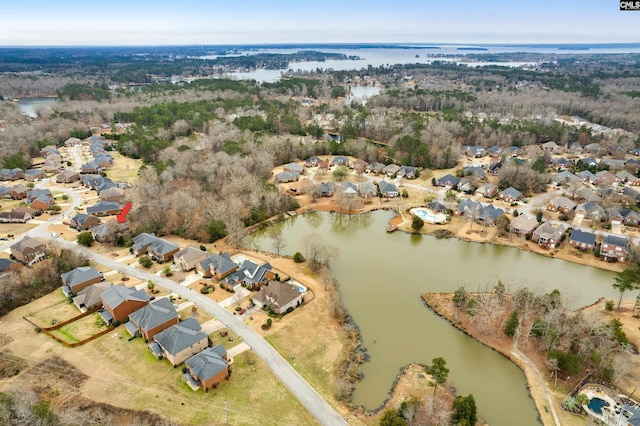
[[279, 296], [29, 250], [179, 342], [189, 257]]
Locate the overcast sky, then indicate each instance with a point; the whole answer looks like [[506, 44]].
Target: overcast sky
[[138, 22]]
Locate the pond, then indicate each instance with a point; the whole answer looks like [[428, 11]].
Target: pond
[[382, 276]]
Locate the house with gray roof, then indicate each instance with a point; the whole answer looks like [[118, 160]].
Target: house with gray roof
[[249, 275], [605, 177], [311, 161], [582, 240], [614, 248], [80, 278], [475, 171], [107, 232], [549, 235], [339, 161], [83, 221], [618, 216], [367, 189], [293, 167], [152, 319], [591, 211], [613, 164], [388, 189], [408, 172], [511, 195], [104, 208], [119, 301], [207, 369], [475, 151], [348, 189], [466, 185], [326, 189], [437, 207], [157, 248], [374, 167], [91, 297], [523, 224], [217, 265], [489, 214], [628, 178], [180, 341], [587, 176], [68, 176], [189, 257], [561, 204], [565, 177], [7, 265], [11, 174], [113, 194], [495, 151], [631, 194], [34, 174], [285, 177], [587, 194], [278, 296], [448, 181]]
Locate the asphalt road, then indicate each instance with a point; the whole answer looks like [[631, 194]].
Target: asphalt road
[[307, 396]]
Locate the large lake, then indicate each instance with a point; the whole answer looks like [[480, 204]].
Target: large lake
[[382, 276], [30, 106]]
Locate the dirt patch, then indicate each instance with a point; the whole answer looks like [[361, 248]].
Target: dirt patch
[[10, 365], [5, 339], [53, 370]]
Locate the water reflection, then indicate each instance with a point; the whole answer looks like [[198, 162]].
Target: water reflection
[[314, 219]]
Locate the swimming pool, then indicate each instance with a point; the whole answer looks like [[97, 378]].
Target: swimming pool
[[428, 216], [596, 405]]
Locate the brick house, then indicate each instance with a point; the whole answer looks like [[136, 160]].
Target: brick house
[[614, 248], [120, 301], [152, 319], [207, 369]]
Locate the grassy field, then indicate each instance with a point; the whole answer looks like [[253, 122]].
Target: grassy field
[[82, 329], [123, 169], [57, 308]]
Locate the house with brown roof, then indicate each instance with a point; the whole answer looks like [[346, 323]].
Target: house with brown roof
[[68, 176], [605, 177], [152, 319], [561, 204], [108, 231], [189, 257], [523, 224], [549, 235], [104, 208], [301, 187], [19, 215], [278, 296], [487, 190], [83, 221], [180, 341], [91, 297], [17, 192], [207, 369], [113, 194], [29, 250], [120, 301]]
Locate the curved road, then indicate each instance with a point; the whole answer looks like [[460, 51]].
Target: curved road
[[307, 396]]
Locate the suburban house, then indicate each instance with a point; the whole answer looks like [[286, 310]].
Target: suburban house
[[495, 151], [311, 161], [279, 296], [474, 151], [11, 174], [189, 257], [83, 221], [561, 204], [523, 224], [152, 319], [326, 189], [293, 167], [367, 189], [448, 181], [91, 297], [565, 177], [250, 275], [17, 192], [623, 216], [301, 187], [108, 231], [53, 163], [104, 208], [375, 167], [113, 194], [217, 265], [548, 235], [29, 251], [613, 164], [587, 176], [180, 341], [207, 369], [358, 165], [42, 202], [510, 195], [587, 194], [408, 172], [159, 249], [605, 177], [388, 189], [390, 169], [49, 149], [90, 168], [68, 176], [120, 301], [550, 147], [19, 215], [7, 265], [595, 149], [591, 211], [606, 192], [339, 161], [285, 177], [631, 194], [437, 207], [466, 185], [348, 189], [475, 171], [614, 248], [487, 190], [628, 178], [79, 278], [582, 240], [494, 168], [33, 174]]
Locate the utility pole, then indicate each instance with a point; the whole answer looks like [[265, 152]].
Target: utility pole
[[226, 414]]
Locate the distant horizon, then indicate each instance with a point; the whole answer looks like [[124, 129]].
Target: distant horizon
[[200, 22], [413, 44]]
